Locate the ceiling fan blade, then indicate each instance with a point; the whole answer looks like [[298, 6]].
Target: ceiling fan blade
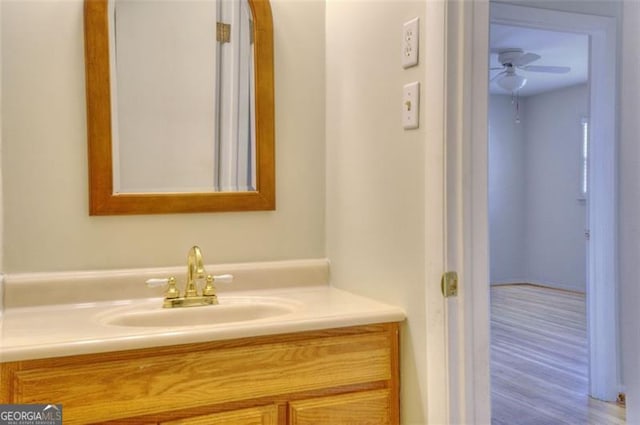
[[549, 69], [495, 69], [526, 59]]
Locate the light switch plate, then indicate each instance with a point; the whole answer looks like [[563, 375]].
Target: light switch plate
[[410, 37], [411, 105]]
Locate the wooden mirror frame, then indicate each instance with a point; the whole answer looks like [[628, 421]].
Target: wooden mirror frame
[[102, 200]]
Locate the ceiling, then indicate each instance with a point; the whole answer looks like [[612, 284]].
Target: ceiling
[[555, 49]]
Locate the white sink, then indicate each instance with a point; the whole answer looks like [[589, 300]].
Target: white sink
[[230, 310]]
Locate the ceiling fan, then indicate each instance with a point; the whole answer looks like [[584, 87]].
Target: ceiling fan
[[512, 59]]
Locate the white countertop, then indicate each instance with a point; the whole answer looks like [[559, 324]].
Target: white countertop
[[79, 328]]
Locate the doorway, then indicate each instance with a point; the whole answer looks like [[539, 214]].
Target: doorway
[[467, 152], [538, 193], [601, 273]]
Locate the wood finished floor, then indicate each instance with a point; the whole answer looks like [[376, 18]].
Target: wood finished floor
[[539, 360]]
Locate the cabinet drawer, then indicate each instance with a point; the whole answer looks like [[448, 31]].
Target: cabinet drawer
[[364, 408], [143, 382], [266, 415]]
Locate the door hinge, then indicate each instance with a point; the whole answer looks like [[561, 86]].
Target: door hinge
[[223, 32], [449, 284]]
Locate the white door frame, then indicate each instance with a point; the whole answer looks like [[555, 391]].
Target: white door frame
[[602, 212], [467, 201], [466, 217]]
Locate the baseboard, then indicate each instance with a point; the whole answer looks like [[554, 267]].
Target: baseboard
[[541, 284], [510, 282]]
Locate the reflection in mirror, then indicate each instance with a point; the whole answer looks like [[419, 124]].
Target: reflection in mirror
[[179, 105], [177, 92]]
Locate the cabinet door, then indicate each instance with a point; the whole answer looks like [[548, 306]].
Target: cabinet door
[[362, 408], [265, 415]]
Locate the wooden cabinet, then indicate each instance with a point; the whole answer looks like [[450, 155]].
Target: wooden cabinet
[[345, 375], [365, 407], [266, 415]]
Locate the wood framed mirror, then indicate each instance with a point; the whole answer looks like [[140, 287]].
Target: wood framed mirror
[[105, 198]]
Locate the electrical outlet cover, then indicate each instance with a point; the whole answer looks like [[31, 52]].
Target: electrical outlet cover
[[410, 37]]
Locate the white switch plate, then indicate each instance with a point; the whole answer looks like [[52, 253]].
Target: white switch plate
[[411, 105], [410, 37]]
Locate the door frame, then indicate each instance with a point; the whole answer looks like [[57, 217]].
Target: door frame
[[466, 183], [602, 271], [466, 210]]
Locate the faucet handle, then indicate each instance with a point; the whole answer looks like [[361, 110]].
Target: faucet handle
[[155, 282], [223, 278], [209, 290], [172, 290]]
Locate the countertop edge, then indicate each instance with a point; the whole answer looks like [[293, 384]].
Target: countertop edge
[[125, 344]]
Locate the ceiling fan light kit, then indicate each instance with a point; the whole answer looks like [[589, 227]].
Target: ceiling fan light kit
[[512, 59], [512, 82]]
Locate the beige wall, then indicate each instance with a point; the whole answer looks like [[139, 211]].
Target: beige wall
[[384, 184], [382, 202], [46, 221]]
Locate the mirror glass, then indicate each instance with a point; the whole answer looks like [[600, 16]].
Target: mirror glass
[[177, 92], [180, 105]]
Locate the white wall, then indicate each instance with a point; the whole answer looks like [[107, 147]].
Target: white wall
[[537, 222], [555, 248], [1, 183], [384, 184], [629, 242], [506, 191], [44, 165]]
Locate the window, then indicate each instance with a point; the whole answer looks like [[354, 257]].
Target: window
[[584, 178]]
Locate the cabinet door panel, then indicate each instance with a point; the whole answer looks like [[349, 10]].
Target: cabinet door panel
[[364, 408], [265, 415]]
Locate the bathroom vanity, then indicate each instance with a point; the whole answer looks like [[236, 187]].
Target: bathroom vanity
[[328, 357], [333, 376]]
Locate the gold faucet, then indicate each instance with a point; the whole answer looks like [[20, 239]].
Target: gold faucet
[[195, 272]]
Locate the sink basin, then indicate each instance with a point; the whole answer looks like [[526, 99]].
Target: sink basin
[[230, 310]]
